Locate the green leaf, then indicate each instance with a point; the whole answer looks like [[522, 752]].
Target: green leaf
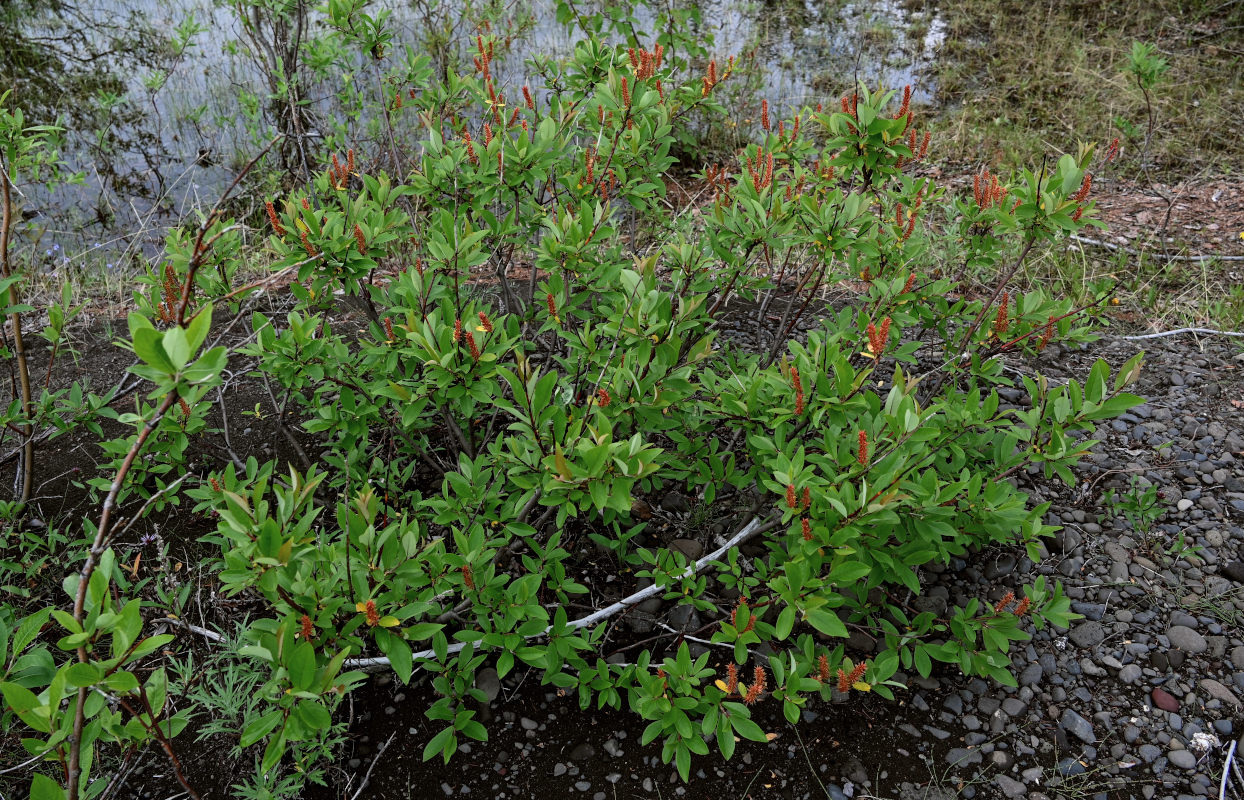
[[44, 788], [313, 716], [273, 752], [849, 572], [443, 742], [147, 347], [121, 682], [827, 622], [725, 742], [682, 760], [197, 329], [302, 666], [423, 630], [398, 651], [19, 698], [260, 728], [785, 622], [747, 728], [82, 674], [651, 732], [157, 690], [176, 347]]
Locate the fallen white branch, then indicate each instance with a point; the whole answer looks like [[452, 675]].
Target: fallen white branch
[[381, 662], [204, 632], [1206, 331], [1196, 259], [749, 530]]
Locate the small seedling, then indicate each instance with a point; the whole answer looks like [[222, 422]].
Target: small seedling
[[1140, 505]]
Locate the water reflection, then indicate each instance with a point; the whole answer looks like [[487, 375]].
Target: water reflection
[[158, 128]]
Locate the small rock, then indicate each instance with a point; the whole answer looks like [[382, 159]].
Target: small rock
[[1234, 571], [676, 502], [962, 757], [486, 681], [1162, 699], [1090, 634], [1182, 759], [1070, 767], [688, 547], [1186, 639], [1013, 707], [1219, 692], [1010, 787], [1001, 567], [582, 752], [1078, 726], [1130, 674]]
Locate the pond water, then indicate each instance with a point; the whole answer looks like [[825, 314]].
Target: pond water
[[154, 94]]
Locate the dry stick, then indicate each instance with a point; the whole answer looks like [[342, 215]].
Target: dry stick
[[756, 526], [375, 760], [1226, 772], [19, 349], [1207, 331], [102, 532], [1197, 259]]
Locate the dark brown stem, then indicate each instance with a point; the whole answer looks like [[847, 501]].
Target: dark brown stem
[[984, 312], [19, 348]]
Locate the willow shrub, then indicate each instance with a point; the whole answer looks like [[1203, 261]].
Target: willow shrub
[[463, 441]]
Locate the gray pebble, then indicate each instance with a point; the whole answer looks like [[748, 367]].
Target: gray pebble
[[1186, 639], [1078, 726]]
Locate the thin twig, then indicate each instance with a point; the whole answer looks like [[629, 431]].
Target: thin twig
[[375, 760]]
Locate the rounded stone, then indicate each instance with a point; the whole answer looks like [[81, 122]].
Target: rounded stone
[[1090, 634], [1182, 759], [1186, 639]]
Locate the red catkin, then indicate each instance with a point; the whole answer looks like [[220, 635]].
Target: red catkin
[[759, 680], [274, 219]]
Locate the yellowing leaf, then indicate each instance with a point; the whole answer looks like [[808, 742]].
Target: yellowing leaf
[[720, 684], [563, 468], [860, 686], [388, 622]]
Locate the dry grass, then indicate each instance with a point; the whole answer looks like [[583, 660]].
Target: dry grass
[[1022, 78]]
